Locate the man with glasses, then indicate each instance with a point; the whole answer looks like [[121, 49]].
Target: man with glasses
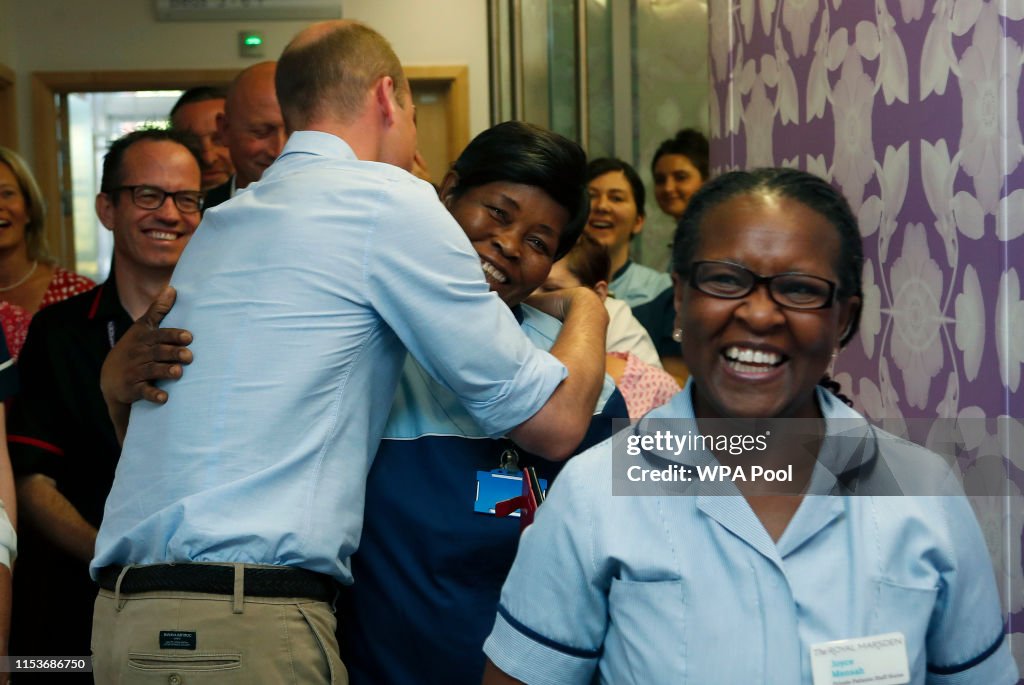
[[61, 440]]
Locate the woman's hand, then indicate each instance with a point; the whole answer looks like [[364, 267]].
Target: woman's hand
[[145, 353], [558, 303]]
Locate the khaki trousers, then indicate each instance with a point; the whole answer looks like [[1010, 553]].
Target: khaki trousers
[[250, 640]]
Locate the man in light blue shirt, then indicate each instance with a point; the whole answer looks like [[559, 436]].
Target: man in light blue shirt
[[242, 498]]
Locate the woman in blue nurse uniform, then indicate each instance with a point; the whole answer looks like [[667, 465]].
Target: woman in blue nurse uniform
[[432, 558], [771, 583]]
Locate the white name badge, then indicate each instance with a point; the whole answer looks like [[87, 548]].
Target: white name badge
[[875, 659]]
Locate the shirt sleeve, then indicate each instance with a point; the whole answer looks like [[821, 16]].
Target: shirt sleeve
[[552, 617], [965, 640], [425, 281]]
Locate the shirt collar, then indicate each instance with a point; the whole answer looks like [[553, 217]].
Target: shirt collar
[[317, 143], [622, 271], [849, 450], [106, 303], [847, 455]]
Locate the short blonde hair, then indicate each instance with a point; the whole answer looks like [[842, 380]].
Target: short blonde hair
[[35, 233]]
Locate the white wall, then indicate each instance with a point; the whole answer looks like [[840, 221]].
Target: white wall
[[58, 35], [427, 32]]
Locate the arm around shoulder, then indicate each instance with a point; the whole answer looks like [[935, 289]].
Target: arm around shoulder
[[145, 353], [557, 429]]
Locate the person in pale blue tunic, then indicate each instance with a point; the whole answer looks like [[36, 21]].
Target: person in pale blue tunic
[[431, 559], [616, 217], [711, 580]]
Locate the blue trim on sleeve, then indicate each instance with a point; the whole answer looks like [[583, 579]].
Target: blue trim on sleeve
[[548, 642], [958, 668]]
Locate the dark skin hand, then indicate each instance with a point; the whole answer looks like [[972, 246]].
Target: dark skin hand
[[145, 353]]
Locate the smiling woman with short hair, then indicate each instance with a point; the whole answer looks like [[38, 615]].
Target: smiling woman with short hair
[[616, 217], [711, 579], [431, 560]]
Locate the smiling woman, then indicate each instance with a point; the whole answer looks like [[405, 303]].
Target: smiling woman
[[679, 167], [29, 280], [616, 217], [432, 551], [515, 228], [761, 353], [740, 580]]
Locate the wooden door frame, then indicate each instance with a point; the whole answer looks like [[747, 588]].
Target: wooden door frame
[[8, 109], [454, 82], [47, 85]]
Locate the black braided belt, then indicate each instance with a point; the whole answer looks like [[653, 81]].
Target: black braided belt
[[280, 581]]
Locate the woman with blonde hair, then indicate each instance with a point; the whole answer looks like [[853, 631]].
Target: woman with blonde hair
[[29, 279]]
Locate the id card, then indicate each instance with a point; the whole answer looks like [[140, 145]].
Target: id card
[[875, 659], [497, 486]]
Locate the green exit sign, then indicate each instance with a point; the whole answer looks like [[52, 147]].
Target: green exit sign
[[250, 44]]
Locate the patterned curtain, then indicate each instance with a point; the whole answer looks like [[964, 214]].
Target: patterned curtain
[[911, 108]]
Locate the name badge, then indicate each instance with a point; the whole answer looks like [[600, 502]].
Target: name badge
[[497, 486], [875, 659]]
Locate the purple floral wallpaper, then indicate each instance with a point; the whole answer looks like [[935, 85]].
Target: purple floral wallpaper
[[910, 107]]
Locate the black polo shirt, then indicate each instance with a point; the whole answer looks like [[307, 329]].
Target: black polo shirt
[[59, 427], [59, 424]]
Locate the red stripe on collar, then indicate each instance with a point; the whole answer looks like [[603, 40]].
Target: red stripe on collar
[[96, 302]]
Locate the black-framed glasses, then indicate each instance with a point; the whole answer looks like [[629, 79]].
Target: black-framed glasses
[[792, 290], [153, 197]]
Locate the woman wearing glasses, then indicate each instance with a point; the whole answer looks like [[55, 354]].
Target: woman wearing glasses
[[29, 280], [754, 581]]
